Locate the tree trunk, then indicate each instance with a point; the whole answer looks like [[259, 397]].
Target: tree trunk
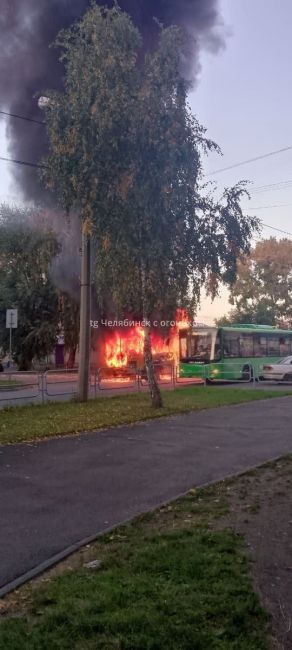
[[155, 393], [24, 363], [71, 358]]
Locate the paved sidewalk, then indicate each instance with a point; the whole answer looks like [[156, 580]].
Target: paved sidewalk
[[57, 492]]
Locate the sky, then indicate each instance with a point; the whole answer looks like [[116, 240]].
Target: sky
[[244, 99]]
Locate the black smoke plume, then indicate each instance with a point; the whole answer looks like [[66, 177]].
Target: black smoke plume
[[27, 27]]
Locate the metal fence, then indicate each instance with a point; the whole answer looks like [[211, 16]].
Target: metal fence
[[16, 385], [107, 379], [41, 387], [221, 373], [164, 374], [199, 378], [60, 382], [53, 385]]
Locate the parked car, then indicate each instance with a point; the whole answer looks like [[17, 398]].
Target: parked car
[[280, 371]]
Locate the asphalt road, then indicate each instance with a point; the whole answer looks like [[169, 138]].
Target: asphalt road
[[57, 492]]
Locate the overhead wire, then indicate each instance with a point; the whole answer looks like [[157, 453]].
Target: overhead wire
[[266, 207], [250, 160], [280, 185], [284, 232], [261, 188], [22, 117], [22, 162]]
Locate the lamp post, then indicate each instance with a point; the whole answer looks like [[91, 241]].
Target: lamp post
[[85, 289]]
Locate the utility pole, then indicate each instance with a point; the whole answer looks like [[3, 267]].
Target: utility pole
[[85, 296], [84, 337]]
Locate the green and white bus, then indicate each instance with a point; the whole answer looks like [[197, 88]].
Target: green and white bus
[[235, 352]]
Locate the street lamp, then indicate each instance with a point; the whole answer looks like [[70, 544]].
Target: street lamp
[[84, 333], [44, 102]]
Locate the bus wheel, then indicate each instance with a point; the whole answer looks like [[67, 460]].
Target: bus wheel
[[247, 373]]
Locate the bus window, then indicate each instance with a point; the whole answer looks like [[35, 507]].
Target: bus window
[[284, 346], [273, 346], [200, 347], [231, 344], [263, 345], [260, 345], [246, 345]]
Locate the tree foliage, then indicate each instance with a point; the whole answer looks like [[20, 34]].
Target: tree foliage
[[263, 289], [25, 256], [28, 248], [126, 150]]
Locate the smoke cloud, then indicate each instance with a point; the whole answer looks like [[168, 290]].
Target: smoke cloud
[[27, 66], [66, 267]]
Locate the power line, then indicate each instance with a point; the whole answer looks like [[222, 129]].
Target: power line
[[264, 188], [284, 232], [29, 164], [244, 162], [265, 207], [22, 117], [250, 160], [266, 225], [22, 162]]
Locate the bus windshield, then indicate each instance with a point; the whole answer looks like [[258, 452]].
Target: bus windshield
[[200, 346]]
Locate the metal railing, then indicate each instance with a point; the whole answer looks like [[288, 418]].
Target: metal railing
[[222, 373], [60, 382], [49, 385], [198, 378], [109, 379], [164, 375], [41, 387], [17, 385]]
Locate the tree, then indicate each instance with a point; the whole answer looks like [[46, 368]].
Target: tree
[[126, 149], [263, 289], [25, 256]]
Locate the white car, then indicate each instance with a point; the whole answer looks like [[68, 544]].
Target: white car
[[280, 371]]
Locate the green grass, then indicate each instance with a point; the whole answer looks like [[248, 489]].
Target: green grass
[[28, 423], [166, 582], [9, 383]]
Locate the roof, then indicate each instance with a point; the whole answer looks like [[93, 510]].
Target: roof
[[243, 327], [255, 328]]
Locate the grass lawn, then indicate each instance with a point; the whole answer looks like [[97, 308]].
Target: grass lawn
[[29, 423], [9, 383], [168, 581]]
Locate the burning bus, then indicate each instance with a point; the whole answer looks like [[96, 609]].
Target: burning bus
[[120, 351]]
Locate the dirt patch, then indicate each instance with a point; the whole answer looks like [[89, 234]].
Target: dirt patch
[[260, 509]]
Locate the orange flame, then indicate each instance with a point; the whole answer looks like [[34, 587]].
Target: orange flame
[[182, 319], [123, 347], [120, 347]]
